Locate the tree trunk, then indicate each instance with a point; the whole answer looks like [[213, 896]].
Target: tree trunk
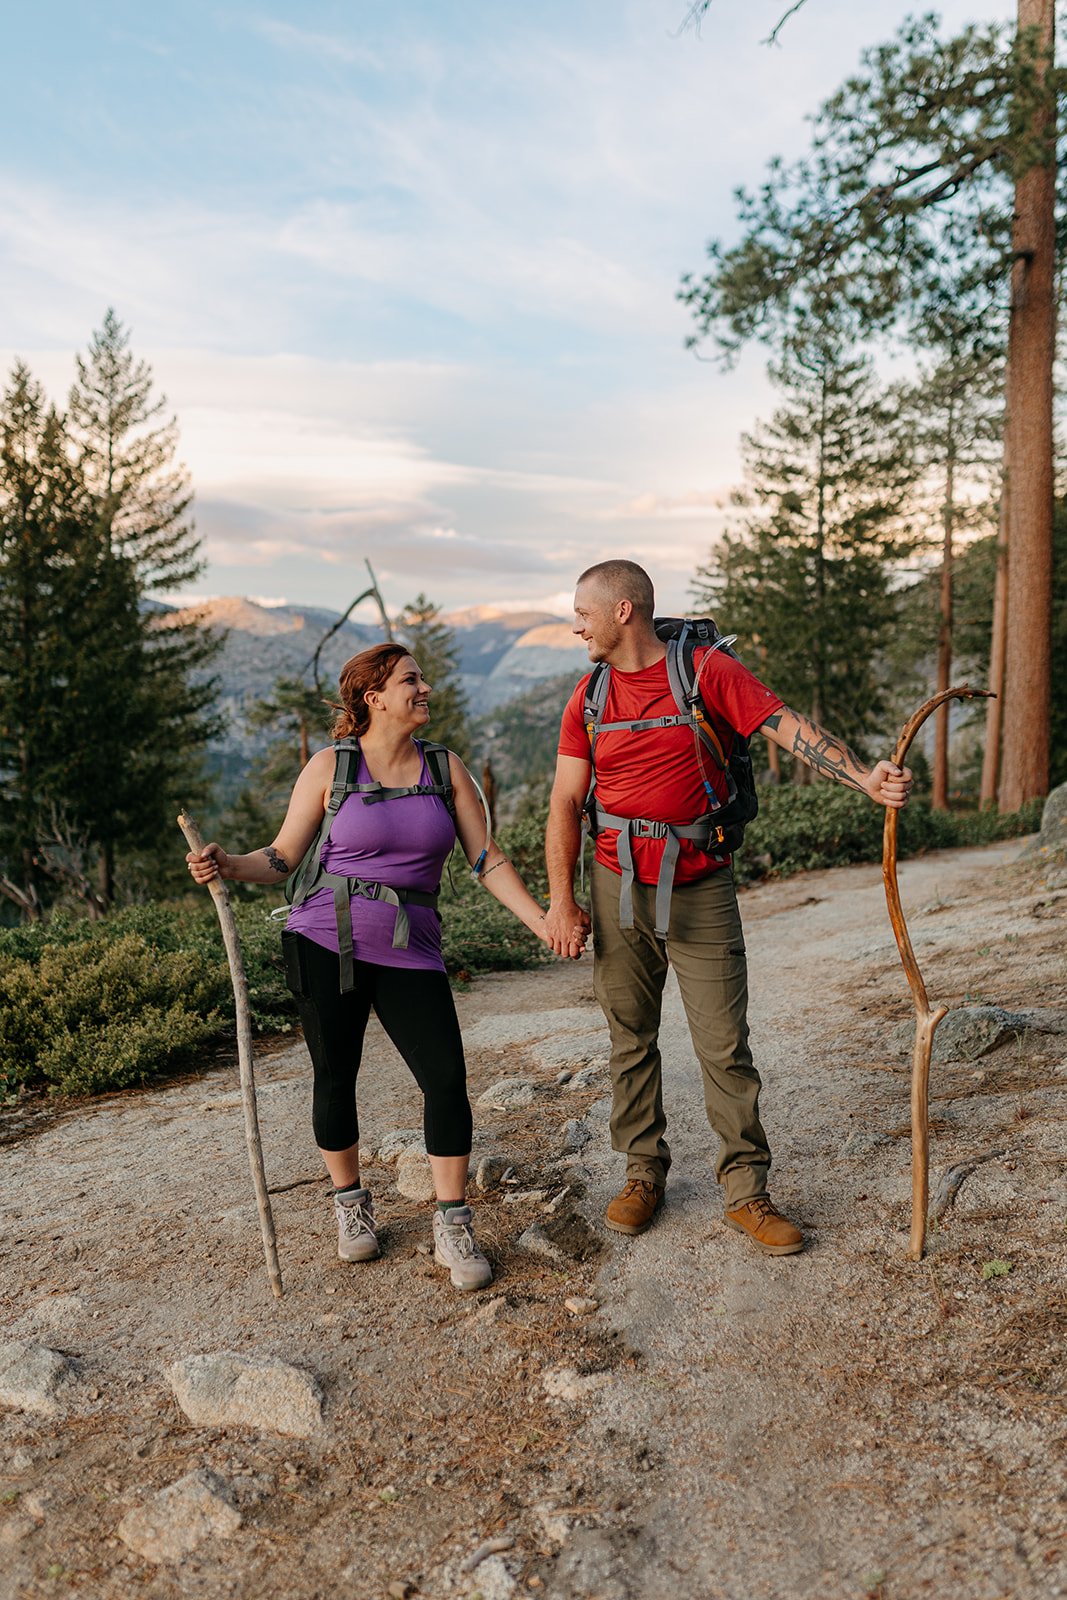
[[1028, 444], [939, 799], [774, 761], [106, 877], [994, 718]]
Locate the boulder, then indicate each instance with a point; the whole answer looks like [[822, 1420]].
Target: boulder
[[414, 1180], [181, 1517], [510, 1094], [32, 1377], [227, 1390]]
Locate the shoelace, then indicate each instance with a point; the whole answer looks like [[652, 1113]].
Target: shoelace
[[762, 1207], [639, 1183], [462, 1239], [354, 1221]]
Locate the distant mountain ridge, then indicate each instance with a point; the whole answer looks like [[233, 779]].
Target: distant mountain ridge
[[500, 654]]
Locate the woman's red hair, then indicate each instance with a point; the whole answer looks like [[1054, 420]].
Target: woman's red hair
[[359, 676]]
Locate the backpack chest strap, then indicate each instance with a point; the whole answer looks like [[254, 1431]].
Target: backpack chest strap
[[371, 793], [674, 720]]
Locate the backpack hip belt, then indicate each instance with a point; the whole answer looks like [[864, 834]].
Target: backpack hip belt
[[703, 833], [368, 889]]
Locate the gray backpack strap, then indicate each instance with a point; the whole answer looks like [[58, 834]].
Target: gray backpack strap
[[687, 697], [308, 874]]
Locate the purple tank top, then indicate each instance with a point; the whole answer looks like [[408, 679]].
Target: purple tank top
[[403, 843]]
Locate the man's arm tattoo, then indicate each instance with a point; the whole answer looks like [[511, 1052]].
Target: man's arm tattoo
[[276, 861], [827, 755], [773, 721]]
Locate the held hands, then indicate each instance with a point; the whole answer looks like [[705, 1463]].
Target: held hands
[[889, 785], [566, 929], [208, 864]]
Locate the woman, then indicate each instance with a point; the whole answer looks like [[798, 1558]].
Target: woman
[[392, 846]]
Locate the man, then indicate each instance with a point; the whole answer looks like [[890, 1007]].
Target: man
[[659, 774]]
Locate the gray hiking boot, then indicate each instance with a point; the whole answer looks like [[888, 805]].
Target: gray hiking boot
[[454, 1248], [356, 1236]]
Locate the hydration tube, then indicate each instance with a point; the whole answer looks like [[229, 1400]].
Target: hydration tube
[[476, 870]]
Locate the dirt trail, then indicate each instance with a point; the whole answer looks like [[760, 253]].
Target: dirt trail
[[841, 1423]]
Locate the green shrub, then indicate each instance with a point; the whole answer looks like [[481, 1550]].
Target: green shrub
[[803, 829], [89, 1016]]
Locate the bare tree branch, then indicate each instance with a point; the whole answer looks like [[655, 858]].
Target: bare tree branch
[[695, 16]]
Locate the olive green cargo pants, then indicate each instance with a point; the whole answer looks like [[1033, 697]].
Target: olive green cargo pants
[[706, 947]]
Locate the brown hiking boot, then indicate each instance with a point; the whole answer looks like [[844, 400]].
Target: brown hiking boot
[[634, 1206], [766, 1227]]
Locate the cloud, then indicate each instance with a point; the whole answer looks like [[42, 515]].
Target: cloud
[[326, 46], [696, 505]]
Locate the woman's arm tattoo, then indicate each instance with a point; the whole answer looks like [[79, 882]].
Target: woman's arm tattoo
[[276, 861], [501, 863], [827, 755]]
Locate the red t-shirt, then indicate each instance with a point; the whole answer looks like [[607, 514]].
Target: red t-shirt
[[658, 773]]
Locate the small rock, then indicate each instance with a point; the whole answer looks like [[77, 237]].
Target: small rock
[[554, 1205], [229, 1390], [490, 1172], [181, 1517], [586, 1078], [489, 1310], [537, 1242], [32, 1377], [414, 1179], [401, 1591], [15, 1527], [581, 1306], [423, 1249], [528, 1195], [567, 1383], [565, 1076], [510, 1094], [392, 1147], [576, 1134], [59, 1310], [494, 1579], [555, 1524]]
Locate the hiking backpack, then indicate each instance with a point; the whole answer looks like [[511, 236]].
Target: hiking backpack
[[721, 829], [311, 875]]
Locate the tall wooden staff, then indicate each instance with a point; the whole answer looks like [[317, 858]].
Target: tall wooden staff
[[230, 939], [926, 1019]]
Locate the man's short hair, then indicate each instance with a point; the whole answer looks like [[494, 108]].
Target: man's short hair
[[624, 580]]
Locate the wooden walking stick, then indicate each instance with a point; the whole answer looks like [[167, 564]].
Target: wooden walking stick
[[230, 939], [926, 1019]]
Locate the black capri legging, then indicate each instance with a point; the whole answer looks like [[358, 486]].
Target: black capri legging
[[418, 1013]]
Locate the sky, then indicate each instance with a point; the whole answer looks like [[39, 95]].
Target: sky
[[407, 275]]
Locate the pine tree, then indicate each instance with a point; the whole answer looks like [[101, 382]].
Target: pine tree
[[69, 656], [954, 408], [141, 499], [933, 133], [806, 580], [432, 643]]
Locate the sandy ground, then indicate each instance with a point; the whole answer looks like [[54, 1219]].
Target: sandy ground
[[839, 1423]]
